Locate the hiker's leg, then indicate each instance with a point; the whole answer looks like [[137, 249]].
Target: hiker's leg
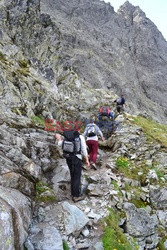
[[118, 108], [70, 166], [94, 150], [89, 143], [76, 177]]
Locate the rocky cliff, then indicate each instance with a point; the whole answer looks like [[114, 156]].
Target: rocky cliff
[[48, 41], [63, 59]]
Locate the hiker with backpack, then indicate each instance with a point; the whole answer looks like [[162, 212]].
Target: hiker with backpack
[[74, 147], [91, 133], [105, 112], [120, 103]]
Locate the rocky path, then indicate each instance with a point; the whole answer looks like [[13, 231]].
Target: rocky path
[[79, 224], [139, 193]]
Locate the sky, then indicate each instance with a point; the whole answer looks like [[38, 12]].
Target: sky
[[155, 10]]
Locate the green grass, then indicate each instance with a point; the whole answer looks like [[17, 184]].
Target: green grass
[[152, 129], [139, 203], [159, 173], [114, 238], [116, 187], [41, 192], [38, 120], [122, 162], [131, 170], [65, 245]]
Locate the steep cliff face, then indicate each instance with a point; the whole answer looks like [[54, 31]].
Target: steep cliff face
[[122, 52]]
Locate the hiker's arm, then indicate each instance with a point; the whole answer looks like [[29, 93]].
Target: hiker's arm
[[85, 132], [99, 132], [59, 139], [87, 161], [84, 151]]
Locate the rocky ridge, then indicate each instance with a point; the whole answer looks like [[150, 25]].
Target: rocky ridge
[[46, 44]]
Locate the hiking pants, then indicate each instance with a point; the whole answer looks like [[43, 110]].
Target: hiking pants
[[93, 149], [75, 167], [119, 108]]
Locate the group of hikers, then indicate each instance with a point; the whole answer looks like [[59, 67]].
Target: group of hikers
[[76, 145]]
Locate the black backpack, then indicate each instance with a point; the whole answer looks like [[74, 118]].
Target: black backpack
[[71, 144]]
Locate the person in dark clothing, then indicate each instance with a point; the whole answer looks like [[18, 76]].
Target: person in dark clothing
[[105, 112], [75, 166], [120, 103]]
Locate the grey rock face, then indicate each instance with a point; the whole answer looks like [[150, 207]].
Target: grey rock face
[[122, 51], [137, 221], [75, 219], [158, 197], [15, 218], [48, 40], [44, 238]]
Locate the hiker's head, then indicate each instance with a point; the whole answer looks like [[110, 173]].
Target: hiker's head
[[91, 120]]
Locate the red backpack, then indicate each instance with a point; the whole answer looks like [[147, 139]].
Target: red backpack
[[104, 111]]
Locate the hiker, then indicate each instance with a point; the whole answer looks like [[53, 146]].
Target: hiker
[[120, 103], [105, 112], [91, 133], [74, 147]]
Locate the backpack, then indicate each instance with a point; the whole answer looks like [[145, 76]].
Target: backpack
[[91, 130], [104, 111], [119, 100], [71, 144]]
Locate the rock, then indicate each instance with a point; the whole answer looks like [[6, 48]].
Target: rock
[[61, 175], [152, 175], [158, 197], [74, 218], [43, 237], [140, 223], [85, 232], [162, 216], [94, 216], [33, 170], [15, 211], [99, 246]]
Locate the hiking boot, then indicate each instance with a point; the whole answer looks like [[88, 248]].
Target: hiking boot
[[79, 198], [84, 167], [94, 166]]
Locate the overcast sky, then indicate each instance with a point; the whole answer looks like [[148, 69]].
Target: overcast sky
[[155, 10]]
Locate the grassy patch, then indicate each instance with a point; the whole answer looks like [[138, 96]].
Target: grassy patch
[[23, 63], [19, 111], [139, 203], [161, 244], [130, 169], [2, 57], [44, 193], [116, 187], [65, 245], [122, 162], [36, 120], [152, 129], [23, 71], [114, 237], [159, 173]]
